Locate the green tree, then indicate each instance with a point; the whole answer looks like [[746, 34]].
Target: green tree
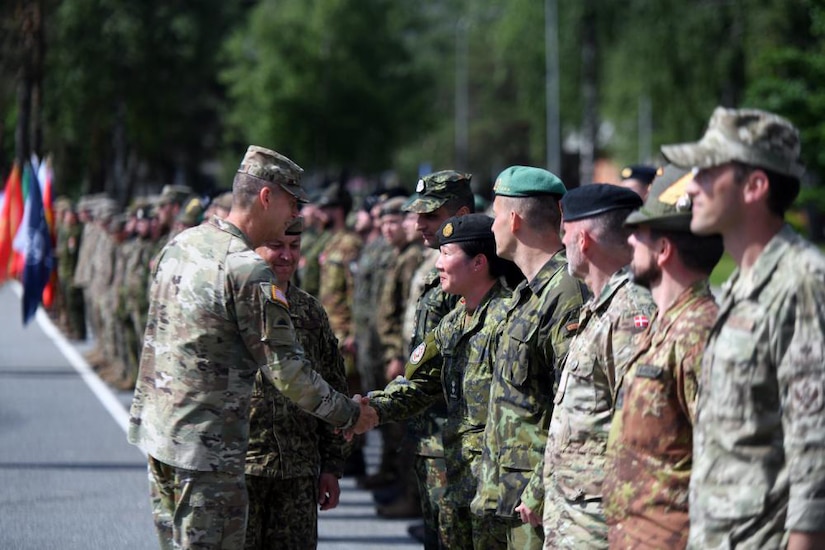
[[332, 83]]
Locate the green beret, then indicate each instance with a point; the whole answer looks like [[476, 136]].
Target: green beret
[[439, 187], [668, 206], [528, 181], [471, 227], [592, 200]]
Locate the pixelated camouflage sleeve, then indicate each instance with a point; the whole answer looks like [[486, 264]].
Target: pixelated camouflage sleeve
[[414, 392], [802, 375]]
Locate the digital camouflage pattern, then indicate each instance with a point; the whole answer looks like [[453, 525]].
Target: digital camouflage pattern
[[751, 136], [574, 459], [215, 319], [275, 522], [284, 440], [454, 363], [435, 189], [759, 448], [651, 439], [289, 448], [542, 318]]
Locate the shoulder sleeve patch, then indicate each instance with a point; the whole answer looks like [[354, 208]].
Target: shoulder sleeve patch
[[279, 296]]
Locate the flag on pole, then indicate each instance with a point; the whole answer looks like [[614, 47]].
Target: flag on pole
[[39, 253], [10, 217]]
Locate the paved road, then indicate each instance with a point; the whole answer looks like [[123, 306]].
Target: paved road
[[71, 481]]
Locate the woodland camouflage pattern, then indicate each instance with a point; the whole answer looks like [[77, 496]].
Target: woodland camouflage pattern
[[609, 328], [456, 364], [535, 335], [759, 448], [215, 319], [651, 439]]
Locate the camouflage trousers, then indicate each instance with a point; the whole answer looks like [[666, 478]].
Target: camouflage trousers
[[468, 531], [283, 513], [522, 536], [431, 474], [574, 524], [197, 510]]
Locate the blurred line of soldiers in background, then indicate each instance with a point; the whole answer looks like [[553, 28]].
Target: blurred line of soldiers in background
[[366, 265]]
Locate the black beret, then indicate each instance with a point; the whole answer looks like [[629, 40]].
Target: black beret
[[641, 172], [335, 195], [470, 227], [595, 199]]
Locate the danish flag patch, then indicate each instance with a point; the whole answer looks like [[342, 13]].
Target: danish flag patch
[[641, 321]]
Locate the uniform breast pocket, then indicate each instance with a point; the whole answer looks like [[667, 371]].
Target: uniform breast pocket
[[517, 357], [736, 373]]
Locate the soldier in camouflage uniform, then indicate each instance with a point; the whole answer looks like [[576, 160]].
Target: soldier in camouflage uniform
[[336, 287], [293, 461], [610, 324], [316, 237], [455, 362], [216, 318], [441, 195], [758, 475], [541, 319], [651, 438], [69, 235]]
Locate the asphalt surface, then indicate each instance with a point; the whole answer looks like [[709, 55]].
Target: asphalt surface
[[72, 482]]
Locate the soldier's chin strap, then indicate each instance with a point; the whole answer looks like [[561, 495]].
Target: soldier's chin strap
[[425, 351]]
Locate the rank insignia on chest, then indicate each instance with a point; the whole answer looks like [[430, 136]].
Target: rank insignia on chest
[[418, 353], [641, 321]]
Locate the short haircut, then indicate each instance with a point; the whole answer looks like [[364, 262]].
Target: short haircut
[[782, 189], [609, 228], [697, 253], [539, 211], [245, 188], [455, 204]]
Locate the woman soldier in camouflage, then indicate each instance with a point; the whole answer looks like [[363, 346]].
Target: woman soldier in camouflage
[[464, 340]]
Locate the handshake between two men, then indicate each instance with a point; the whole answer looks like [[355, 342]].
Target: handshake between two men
[[367, 420]]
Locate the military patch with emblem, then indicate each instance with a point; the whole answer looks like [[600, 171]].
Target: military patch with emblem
[[627, 172], [419, 188], [279, 296], [641, 321], [807, 396], [418, 353], [448, 230]]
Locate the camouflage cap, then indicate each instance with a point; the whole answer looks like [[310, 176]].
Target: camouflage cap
[[335, 195], [394, 205], [268, 165], [296, 227], [191, 213], [174, 194], [527, 181], [751, 136], [472, 227], [667, 206], [437, 188]]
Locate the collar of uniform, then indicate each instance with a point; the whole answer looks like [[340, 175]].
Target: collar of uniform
[[224, 225], [760, 273], [548, 270], [684, 302], [616, 281]]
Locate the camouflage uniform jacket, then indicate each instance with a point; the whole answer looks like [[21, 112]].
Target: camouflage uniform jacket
[[394, 298], [609, 328], [651, 439], [215, 319], [68, 248], [284, 441], [336, 283], [309, 270], [542, 317], [759, 439], [88, 244], [431, 305], [454, 362]]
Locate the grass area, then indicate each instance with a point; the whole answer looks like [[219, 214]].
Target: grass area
[[722, 270]]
